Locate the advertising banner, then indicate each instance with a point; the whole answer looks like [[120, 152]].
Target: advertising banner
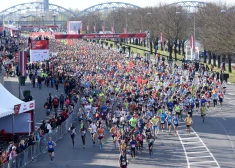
[[24, 107], [39, 50], [99, 36], [74, 27], [39, 45]]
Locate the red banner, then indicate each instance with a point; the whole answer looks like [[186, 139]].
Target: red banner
[[39, 26], [98, 36], [23, 62], [39, 45]]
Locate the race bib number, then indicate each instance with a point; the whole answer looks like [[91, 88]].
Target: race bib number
[[133, 145], [50, 146], [123, 163]]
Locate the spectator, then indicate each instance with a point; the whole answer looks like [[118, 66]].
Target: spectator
[[32, 140], [43, 127]]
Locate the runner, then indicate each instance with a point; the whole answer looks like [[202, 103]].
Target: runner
[[51, 145], [100, 134], [72, 131], [114, 131], [189, 122], [123, 161], [151, 139], [155, 127], [176, 124], [83, 135], [132, 147], [169, 122], [93, 130]]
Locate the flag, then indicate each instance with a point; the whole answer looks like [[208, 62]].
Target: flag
[[94, 29], [162, 39], [192, 42], [103, 29], [112, 29], [87, 28], [23, 62], [140, 31], [124, 30]]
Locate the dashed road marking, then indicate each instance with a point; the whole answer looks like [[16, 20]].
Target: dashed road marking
[[195, 150]]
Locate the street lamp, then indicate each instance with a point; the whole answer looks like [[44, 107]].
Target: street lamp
[[42, 15], [54, 16], [194, 32], [126, 21]]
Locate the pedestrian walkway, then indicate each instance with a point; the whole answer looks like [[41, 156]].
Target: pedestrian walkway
[[196, 152]]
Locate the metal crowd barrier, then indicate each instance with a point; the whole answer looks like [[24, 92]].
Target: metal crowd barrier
[[31, 153]]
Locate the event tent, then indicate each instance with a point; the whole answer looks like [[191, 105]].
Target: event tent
[[7, 102], [15, 114]]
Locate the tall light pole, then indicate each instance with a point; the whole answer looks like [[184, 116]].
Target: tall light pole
[[126, 21], [54, 16], [42, 19], [148, 37]]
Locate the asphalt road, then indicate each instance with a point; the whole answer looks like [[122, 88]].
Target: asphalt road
[[212, 143]]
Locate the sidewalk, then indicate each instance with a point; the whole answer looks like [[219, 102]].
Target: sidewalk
[[40, 96]]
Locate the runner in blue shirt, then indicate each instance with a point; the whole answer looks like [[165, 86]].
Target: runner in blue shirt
[[162, 120], [132, 146], [170, 106], [176, 124], [51, 144]]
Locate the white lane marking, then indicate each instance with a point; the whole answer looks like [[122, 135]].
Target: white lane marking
[[186, 134], [206, 148], [203, 146], [185, 153], [192, 163], [197, 152], [38, 123], [196, 157], [189, 138], [223, 118], [195, 147], [185, 143]]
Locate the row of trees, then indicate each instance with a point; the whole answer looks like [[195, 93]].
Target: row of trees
[[214, 26]]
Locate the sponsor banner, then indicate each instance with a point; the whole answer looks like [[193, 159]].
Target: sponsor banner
[[23, 62], [99, 36], [74, 27], [39, 45], [39, 55], [52, 26], [36, 34], [24, 107]]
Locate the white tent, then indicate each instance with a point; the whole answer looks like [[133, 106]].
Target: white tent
[[15, 114], [7, 102]]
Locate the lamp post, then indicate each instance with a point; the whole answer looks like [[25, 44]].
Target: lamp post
[[148, 37], [194, 32], [42, 15], [126, 21], [54, 16]]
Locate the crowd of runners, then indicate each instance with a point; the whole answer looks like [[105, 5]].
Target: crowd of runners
[[134, 100], [131, 99]]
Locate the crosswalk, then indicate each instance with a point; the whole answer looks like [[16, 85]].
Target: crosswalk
[[47, 118], [196, 152]]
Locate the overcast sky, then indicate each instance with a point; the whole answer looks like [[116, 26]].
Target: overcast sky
[[82, 4]]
